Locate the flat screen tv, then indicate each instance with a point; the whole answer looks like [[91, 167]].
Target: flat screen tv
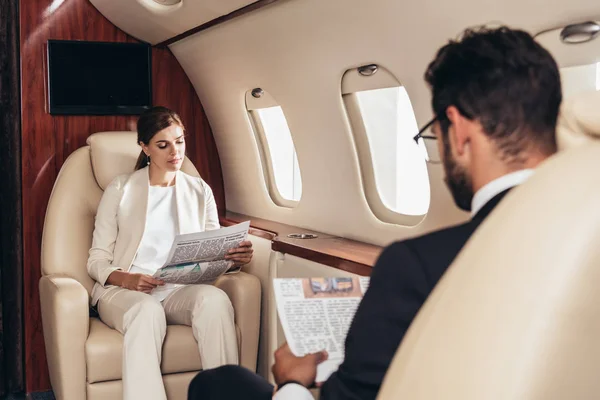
[[98, 78]]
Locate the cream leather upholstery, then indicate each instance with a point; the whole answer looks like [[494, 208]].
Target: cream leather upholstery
[[84, 355], [580, 120], [517, 314]]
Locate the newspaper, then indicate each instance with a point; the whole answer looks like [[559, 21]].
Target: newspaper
[[200, 257], [316, 313]]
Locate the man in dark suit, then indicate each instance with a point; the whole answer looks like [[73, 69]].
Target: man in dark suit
[[496, 95]]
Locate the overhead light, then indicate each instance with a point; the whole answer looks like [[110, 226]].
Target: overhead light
[[580, 33], [167, 2]]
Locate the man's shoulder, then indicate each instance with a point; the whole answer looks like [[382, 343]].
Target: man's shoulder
[[453, 234], [460, 232], [433, 252]]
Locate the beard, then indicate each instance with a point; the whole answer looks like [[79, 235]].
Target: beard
[[457, 179]]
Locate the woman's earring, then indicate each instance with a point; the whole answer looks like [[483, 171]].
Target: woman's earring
[[148, 157]]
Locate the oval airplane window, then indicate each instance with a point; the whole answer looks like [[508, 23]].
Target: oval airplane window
[[394, 170], [278, 152]]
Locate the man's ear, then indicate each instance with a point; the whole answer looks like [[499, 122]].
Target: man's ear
[[459, 132]]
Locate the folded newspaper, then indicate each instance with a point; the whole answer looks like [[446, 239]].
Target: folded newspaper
[[316, 313], [197, 258]]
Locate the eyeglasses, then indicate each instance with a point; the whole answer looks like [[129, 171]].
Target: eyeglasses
[[427, 143]]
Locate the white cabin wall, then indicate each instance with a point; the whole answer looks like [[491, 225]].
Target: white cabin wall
[[298, 50]]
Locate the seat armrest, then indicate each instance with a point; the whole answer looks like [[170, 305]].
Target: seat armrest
[[65, 318], [245, 294]]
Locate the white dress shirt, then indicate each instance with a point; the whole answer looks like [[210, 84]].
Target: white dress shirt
[[499, 185], [293, 391]]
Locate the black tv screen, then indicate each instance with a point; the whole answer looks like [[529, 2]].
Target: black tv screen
[[98, 78]]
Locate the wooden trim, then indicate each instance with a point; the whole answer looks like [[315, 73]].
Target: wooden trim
[[11, 250], [217, 21], [321, 257], [253, 230], [334, 251]]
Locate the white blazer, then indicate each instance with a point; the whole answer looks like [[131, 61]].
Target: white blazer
[[121, 220]]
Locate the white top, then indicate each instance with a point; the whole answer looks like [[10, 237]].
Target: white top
[[499, 185], [293, 391], [159, 233]]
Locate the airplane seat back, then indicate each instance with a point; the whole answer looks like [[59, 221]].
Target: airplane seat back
[[71, 212], [579, 122], [517, 315]]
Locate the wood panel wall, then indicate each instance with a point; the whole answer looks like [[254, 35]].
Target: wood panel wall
[[48, 140]]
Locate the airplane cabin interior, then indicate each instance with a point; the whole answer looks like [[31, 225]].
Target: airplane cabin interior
[[300, 116]]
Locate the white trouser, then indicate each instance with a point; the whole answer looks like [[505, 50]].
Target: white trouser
[[143, 322]]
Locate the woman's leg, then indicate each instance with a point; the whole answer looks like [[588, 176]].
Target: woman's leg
[[141, 320], [209, 312]]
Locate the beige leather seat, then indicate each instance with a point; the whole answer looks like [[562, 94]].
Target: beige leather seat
[[84, 355], [517, 316]]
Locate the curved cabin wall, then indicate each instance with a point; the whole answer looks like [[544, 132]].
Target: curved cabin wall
[[48, 140], [298, 52]]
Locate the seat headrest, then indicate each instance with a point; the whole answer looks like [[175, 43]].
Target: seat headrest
[[112, 154], [115, 153], [579, 120]]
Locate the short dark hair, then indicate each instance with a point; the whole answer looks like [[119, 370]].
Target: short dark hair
[[506, 81], [149, 124]]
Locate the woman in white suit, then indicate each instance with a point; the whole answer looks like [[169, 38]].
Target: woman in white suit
[[138, 217]]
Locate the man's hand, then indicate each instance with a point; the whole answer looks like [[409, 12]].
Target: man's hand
[[241, 255], [288, 367]]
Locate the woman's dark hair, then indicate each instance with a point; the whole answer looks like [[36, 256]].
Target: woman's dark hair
[[149, 124], [506, 81]]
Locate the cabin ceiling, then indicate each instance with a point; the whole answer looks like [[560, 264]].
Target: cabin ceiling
[[150, 21], [153, 22]]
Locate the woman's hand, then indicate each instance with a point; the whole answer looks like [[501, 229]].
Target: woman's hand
[[138, 282], [241, 255], [141, 283]]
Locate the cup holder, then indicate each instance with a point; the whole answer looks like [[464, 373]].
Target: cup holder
[[302, 236]]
